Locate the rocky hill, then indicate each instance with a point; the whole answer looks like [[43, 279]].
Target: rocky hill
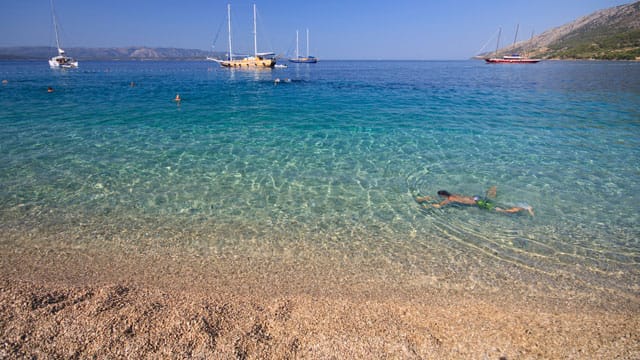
[[610, 34]]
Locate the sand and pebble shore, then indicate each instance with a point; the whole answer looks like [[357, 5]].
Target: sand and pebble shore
[[72, 302]]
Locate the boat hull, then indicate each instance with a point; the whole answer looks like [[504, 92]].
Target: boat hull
[[246, 63], [512, 61], [309, 60], [63, 62]]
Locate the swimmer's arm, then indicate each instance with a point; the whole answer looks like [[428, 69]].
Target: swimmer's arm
[[442, 203]]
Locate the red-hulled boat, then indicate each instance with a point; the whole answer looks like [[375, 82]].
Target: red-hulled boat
[[512, 59]]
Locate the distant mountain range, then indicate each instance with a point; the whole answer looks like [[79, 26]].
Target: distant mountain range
[[123, 53], [610, 34]]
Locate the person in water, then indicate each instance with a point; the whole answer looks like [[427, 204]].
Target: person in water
[[485, 202]]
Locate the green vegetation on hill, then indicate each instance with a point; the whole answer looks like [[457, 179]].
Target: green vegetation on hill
[[610, 34], [594, 44]]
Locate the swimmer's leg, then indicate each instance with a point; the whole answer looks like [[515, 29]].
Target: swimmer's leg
[[492, 192], [422, 199], [516, 209], [512, 210], [530, 210]]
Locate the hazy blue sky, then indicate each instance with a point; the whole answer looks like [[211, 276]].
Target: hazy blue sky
[[340, 29]]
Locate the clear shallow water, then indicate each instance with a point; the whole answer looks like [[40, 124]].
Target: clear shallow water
[[334, 158]]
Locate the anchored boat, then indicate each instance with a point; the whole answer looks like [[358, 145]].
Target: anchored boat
[[512, 58], [62, 61], [258, 60], [303, 59]]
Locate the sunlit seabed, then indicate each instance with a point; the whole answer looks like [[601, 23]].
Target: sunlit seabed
[[332, 160]]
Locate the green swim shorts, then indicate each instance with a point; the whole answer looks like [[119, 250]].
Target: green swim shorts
[[484, 203]]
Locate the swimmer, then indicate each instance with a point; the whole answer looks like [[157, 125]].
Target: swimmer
[[278, 80], [50, 89], [132, 84], [177, 99], [5, 82], [485, 202]]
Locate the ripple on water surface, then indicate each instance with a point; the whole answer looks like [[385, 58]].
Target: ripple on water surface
[[333, 160]]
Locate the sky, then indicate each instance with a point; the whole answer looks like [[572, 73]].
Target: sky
[[339, 29]]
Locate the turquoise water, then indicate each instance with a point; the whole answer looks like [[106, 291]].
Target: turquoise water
[[332, 159]]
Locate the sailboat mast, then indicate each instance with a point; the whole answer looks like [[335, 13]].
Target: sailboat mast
[[498, 42], [255, 33], [307, 42], [229, 25], [297, 52], [516, 37], [55, 26]]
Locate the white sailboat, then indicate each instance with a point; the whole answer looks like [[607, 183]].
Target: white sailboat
[[61, 61], [258, 60], [302, 59]]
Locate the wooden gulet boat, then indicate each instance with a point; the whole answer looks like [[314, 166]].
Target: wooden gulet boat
[[512, 58], [303, 59], [258, 60]]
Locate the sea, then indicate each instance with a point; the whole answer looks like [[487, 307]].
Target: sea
[[330, 159]]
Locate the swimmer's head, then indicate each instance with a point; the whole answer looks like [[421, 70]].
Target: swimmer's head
[[444, 193]]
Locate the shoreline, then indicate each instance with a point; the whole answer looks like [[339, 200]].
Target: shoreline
[[73, 301]]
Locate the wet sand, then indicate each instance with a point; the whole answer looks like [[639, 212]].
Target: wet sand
[[68, 300]]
